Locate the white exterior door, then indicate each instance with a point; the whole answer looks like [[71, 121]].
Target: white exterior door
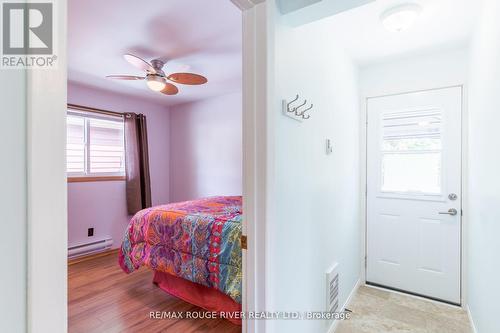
[[414, 192]]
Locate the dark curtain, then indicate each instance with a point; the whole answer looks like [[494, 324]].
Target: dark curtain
[[137, 163]]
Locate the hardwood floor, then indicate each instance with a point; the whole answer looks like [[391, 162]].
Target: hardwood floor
[[102, 299]]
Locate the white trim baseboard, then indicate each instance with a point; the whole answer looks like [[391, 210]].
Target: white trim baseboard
[[335, 323], [472, 325]]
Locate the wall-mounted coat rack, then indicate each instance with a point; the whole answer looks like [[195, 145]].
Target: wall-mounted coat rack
[[297, 112]]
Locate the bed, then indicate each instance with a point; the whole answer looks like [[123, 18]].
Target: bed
[[194, 249]]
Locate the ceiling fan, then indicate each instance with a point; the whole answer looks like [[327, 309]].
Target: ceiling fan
[[155, 76]]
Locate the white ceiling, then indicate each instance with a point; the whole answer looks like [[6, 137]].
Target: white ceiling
[[200, 36], [442, 24]]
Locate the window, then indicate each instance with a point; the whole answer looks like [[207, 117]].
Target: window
[[411, 152], [95, 145]]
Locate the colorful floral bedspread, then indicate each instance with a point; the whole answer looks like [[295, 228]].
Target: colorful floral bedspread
[[197, 240]]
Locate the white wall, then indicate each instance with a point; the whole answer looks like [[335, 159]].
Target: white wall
[[484, 166], [315, 196], [206, 148], [102, 205], [427, 71], [13, 201]]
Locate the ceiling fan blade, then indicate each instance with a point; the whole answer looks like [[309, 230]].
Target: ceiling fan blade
[[139, 63], [187, 78], [170, 89], [124, 77]]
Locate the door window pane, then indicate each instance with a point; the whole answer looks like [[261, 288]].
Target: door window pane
[[417, 172], [411, 151]]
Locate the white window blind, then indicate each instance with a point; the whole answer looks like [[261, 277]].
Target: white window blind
[[75, 150], [95, 145]]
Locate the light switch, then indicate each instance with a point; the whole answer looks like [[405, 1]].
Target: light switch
[[329, 146]]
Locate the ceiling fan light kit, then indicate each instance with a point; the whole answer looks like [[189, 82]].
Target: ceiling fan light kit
[[156, 79], [155, 82]]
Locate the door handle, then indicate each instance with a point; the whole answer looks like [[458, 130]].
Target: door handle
[[451, 211]]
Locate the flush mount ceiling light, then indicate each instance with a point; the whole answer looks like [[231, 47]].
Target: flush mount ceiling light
[[401, 17]]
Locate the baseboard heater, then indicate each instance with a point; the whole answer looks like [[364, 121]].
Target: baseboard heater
[[90, 248]]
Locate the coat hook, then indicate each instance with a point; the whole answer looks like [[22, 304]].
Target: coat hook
[[296, 112], [298, 107], [303, 112], [292, 101]]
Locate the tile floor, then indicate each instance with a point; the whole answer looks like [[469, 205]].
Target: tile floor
[[379, 311]]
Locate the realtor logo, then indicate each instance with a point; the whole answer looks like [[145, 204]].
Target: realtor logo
[[27, 34], [27, 28]]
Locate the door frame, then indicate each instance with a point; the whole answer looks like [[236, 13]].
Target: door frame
[[463, 185], [47, 184]]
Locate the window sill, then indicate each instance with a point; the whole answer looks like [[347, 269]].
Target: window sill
[[95, 179]]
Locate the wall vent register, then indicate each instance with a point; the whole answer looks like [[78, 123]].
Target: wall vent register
[[332, 289]]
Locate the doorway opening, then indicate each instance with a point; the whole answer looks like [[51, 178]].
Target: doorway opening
[[154, 165]]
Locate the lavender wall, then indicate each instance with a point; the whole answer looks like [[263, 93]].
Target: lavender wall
[[195, 150], [206, 148], [102, 205]]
